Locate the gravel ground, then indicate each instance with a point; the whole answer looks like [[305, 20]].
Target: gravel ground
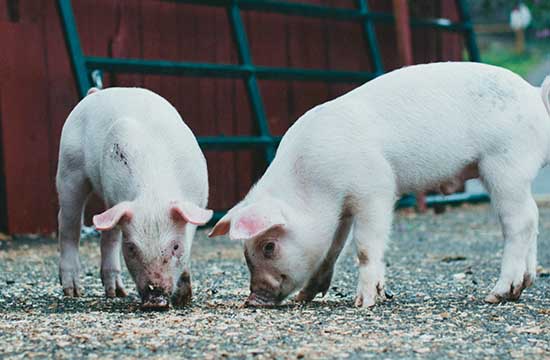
[[440, 268]]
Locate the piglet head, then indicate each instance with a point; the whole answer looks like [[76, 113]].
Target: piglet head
[[155, 246], [277, 261]]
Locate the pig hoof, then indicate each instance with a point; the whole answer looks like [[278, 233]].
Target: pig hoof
[[528, 280], [365, 300], [72, 292], [113, 283], [120, 292], [511, 293], [304, 296], [182, 298]]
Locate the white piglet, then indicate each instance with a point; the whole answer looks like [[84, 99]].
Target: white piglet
[[131, 147], [346, 161]]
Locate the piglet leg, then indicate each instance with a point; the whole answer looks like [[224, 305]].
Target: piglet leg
[[374, 203], [510, 192], [110, 263], [183, 293], [73, 191], [320, 281]]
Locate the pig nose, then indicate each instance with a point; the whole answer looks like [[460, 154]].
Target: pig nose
[[271, 282], [261, 298], [154, 298], [156, 291]]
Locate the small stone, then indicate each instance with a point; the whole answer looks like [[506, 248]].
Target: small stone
[[459, 276]]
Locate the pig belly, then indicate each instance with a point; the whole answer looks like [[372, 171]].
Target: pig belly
[[436, 171]]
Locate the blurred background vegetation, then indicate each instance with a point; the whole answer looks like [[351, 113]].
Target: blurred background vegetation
[[497, 41]]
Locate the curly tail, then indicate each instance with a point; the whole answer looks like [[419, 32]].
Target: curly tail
[[545, 93]]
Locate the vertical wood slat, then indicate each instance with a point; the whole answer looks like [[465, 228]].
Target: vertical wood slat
[[26, 146]]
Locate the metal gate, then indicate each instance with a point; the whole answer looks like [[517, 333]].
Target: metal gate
[[88, 69]]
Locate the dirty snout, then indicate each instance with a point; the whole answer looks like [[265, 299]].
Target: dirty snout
[[156, 291], [266, 290], [154, 298]]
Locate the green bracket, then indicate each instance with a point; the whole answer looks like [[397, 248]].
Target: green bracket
[[88, 69]]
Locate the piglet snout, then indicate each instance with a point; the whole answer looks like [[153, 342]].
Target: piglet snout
[[260, 299], [155, 299]]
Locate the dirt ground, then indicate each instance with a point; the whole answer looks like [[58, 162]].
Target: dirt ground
[[439, 270]]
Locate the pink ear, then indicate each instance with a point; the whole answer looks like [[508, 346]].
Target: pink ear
[[92, 90], [221, 227], [110, 218], [255, 220], [190, 212]]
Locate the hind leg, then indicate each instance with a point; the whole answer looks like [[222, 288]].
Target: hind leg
[[510, 190]]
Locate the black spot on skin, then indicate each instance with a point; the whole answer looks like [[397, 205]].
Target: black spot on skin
[[119, 155]]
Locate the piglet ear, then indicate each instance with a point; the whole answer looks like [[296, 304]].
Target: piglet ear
[[190, 212], [254, 220], [112, 217], [92, 90], [222, 226]]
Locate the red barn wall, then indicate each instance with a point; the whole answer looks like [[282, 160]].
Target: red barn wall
[[37, 89]]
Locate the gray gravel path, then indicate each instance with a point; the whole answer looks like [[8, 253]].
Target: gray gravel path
[[440, 268]]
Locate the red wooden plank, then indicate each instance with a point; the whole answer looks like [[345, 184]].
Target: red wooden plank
[[270, 48], [31, 11], [403, 31], [169, 48], [346, 50], [224, 118], [127, 41], [310, 32], [25, 129], [4, 10], [152, 41], [451, 44], [206, 88]]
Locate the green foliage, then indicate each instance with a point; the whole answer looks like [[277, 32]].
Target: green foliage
[[540, 9], [503, 54]]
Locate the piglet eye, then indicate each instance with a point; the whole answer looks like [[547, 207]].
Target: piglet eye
[[269, 248], [132, 249], [176, 247]]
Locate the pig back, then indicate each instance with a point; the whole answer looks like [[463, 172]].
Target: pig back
[[131, 137], [428, 119]]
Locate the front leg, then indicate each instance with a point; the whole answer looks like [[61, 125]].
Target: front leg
[[320, 281], [371, 232], [183, 293], [110, 263], [73, 190]]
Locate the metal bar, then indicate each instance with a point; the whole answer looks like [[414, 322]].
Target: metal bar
[[470, 35], [369, 35], [432, 200], [161, 67], [236, 142], [409, 201], [320, 11], [72, 41], [264, 72], [252, 87]]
